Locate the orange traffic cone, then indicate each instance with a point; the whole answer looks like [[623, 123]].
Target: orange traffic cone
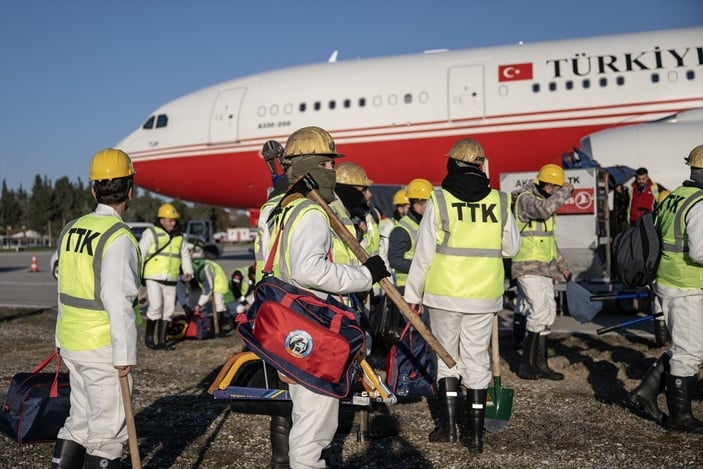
[[34, 267]]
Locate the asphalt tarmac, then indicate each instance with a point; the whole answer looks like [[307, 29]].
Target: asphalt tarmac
[[20, 287]]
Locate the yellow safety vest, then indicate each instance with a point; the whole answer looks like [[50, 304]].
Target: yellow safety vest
[[468, 257], [676, 269], [538, 242], [340, 252], [291, 216], [220, 280], [168, 260], [371, 241], [408, 224], [259, 255], [84, 323]]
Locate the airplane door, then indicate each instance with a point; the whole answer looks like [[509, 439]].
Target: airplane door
[[465, 93], [224, 121]]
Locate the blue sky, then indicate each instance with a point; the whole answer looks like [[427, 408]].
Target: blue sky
[[77, 76]]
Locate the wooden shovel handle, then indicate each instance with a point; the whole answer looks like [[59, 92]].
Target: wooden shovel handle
[[386, 284], [495, 348], [131, 428]]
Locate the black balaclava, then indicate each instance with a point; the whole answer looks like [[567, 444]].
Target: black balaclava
[[466, 181]]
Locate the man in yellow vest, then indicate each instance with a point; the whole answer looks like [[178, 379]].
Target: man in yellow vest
[[165, 254], [538, 261], [401, 205], [401, 244], [96, 327], [214, 285], [302, 258], [679, 287], [458, 274]]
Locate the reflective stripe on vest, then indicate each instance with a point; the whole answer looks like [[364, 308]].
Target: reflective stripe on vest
[[340, 252], [538, 242], [468, 258], [259, 253], [168, 261], [676, 269], [84, 324], [408, 224]]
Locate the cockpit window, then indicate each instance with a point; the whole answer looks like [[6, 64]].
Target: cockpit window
[[161, 120], [149, 124]]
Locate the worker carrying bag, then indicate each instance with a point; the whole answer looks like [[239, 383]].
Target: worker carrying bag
[[312, 341]]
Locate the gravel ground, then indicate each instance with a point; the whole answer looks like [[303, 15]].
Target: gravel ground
[[578, 422]]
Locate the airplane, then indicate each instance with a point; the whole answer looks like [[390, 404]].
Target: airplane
[[398, 116]]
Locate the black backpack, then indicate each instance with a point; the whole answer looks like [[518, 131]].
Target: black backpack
[[636, 252]]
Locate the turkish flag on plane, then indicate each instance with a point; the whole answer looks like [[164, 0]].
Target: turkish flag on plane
[[514, 72]]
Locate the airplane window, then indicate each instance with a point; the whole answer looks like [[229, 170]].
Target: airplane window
[[261, 111], [392, 100], [377, 101], [161, 121], [362, 102], [424, 97], [347, 103], [603, 82], [288, 108], [620, 81], [149, 123], [535, 87], [317, 105], [552, 86], [655, 78], [274, 109], [301, 108], [332, 104], [569, 84], [690, 75], [408, 98], [502, 91], [586, 83]]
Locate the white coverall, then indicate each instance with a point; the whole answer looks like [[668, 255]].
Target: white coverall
[[162, 296], [683, 309], [471, 318], [315, 416], [97, 418]]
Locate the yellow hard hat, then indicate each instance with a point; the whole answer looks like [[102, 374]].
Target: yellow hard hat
[[110, 164], [310, 141], [419, 189], [551, 174], [468, 150], [401, 198], [695, 158], [352, 174], [168, 211]]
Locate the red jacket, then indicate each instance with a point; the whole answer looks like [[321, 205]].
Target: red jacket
[[641, 202]]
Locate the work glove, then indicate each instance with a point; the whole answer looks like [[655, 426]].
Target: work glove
[[377, 268], [188, 310]]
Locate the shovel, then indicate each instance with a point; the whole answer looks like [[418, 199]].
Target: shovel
[[499, 405]]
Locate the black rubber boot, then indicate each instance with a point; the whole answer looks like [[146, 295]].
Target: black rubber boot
[[98, 462], [528, 368], [678, 399], [279, 431], [542, 364], [476, 402], [661, 333], [162, 343], [67, 455], [643, 399], [445, 431], [149, 334], [519, 325]]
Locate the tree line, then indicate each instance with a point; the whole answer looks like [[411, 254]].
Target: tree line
[[50, 205]]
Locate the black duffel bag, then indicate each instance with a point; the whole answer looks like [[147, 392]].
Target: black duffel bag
[[36, 405]]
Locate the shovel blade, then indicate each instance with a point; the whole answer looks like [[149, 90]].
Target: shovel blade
[[499, 406]]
